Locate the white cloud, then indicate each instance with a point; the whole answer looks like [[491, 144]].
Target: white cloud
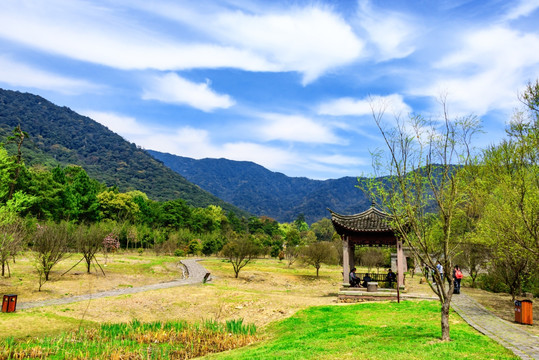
[[294, 128], [309, 40], [523, 8], [495, 61], [126, 126], [114, 39], [340, 160], [359, 107], [392, 34], [171, 88], [16, 73]]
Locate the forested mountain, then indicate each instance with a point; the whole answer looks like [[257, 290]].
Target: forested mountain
[[60, 136], [263, 192]]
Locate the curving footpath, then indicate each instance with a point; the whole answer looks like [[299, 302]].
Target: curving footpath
[[195, 275], [522, 343]]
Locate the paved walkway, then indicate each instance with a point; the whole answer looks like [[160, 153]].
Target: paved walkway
[[522, 343], [193, 274]]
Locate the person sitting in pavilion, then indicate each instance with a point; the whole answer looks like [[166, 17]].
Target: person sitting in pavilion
[[354, 280], [391, 277], [366, 280]]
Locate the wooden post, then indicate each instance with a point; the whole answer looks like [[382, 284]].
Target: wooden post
[[345, 261], [351, 251], [401, 264]]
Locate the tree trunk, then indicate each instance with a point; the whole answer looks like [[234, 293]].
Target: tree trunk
[[318, 268], [445, 319]]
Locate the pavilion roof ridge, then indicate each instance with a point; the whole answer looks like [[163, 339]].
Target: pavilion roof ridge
[[370, 220]]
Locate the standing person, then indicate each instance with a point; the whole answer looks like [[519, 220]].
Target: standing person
[[457, 277], [440, 270]]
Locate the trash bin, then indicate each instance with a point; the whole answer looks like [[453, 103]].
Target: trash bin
[[9, 303], [524, 312]]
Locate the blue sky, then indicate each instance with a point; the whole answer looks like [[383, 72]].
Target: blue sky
[[287, 84]]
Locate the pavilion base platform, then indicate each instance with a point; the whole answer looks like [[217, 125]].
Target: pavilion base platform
[[351, 295]]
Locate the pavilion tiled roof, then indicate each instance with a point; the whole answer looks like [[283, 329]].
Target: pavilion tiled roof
[[371, 220]]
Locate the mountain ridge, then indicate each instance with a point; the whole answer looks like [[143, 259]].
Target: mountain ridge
[[263, 192], [60, 136]]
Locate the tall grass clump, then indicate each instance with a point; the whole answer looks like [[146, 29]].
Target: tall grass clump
[[135, 340]]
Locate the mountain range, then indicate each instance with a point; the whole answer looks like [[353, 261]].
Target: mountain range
[[60, 136], [262, 192]]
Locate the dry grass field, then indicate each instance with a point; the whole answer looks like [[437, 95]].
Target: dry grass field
[[266, 291]]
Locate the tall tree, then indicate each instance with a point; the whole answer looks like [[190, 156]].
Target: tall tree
[[424, 162]]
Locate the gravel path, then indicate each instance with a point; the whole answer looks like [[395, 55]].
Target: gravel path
[[194, 274], [522, 343]]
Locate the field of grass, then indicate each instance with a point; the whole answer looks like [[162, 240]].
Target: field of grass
[[409, 330]]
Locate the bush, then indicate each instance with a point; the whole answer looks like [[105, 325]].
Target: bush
[[179, 253]]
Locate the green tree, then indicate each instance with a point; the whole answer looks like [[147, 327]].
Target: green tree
[[421, 161], [117, 206], [293, 246], [18, 138], [323, 229], [318, 253], [240, 250]]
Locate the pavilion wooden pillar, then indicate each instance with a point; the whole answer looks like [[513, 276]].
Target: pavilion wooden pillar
[[345, 261], [401, 264]]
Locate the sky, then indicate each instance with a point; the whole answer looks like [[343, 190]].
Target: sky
[[287, 84]]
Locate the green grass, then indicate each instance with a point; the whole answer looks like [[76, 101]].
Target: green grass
[[409, 330], [135, 340]]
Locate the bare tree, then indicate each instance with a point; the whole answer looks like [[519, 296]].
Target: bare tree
[[88, 241], [424, 162], [50, 243], [11, 237]]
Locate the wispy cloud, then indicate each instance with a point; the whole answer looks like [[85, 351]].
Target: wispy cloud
[[487, 72], [523, 8], [392, 34], [171, 88], [308, 40], [124, 125], [16, 73], [294, 128], [359, 107]]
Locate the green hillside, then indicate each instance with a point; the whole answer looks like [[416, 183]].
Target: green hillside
[[263, 192], [60, 136]]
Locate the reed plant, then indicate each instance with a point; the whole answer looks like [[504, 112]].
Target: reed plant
[[135, 340]]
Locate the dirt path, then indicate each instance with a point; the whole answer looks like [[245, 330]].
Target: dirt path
[[194, 274]]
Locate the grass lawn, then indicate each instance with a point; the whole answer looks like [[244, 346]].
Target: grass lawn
[[409, 330], [295, 312]]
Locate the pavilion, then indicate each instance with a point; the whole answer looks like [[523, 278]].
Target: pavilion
[[369, 228]]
